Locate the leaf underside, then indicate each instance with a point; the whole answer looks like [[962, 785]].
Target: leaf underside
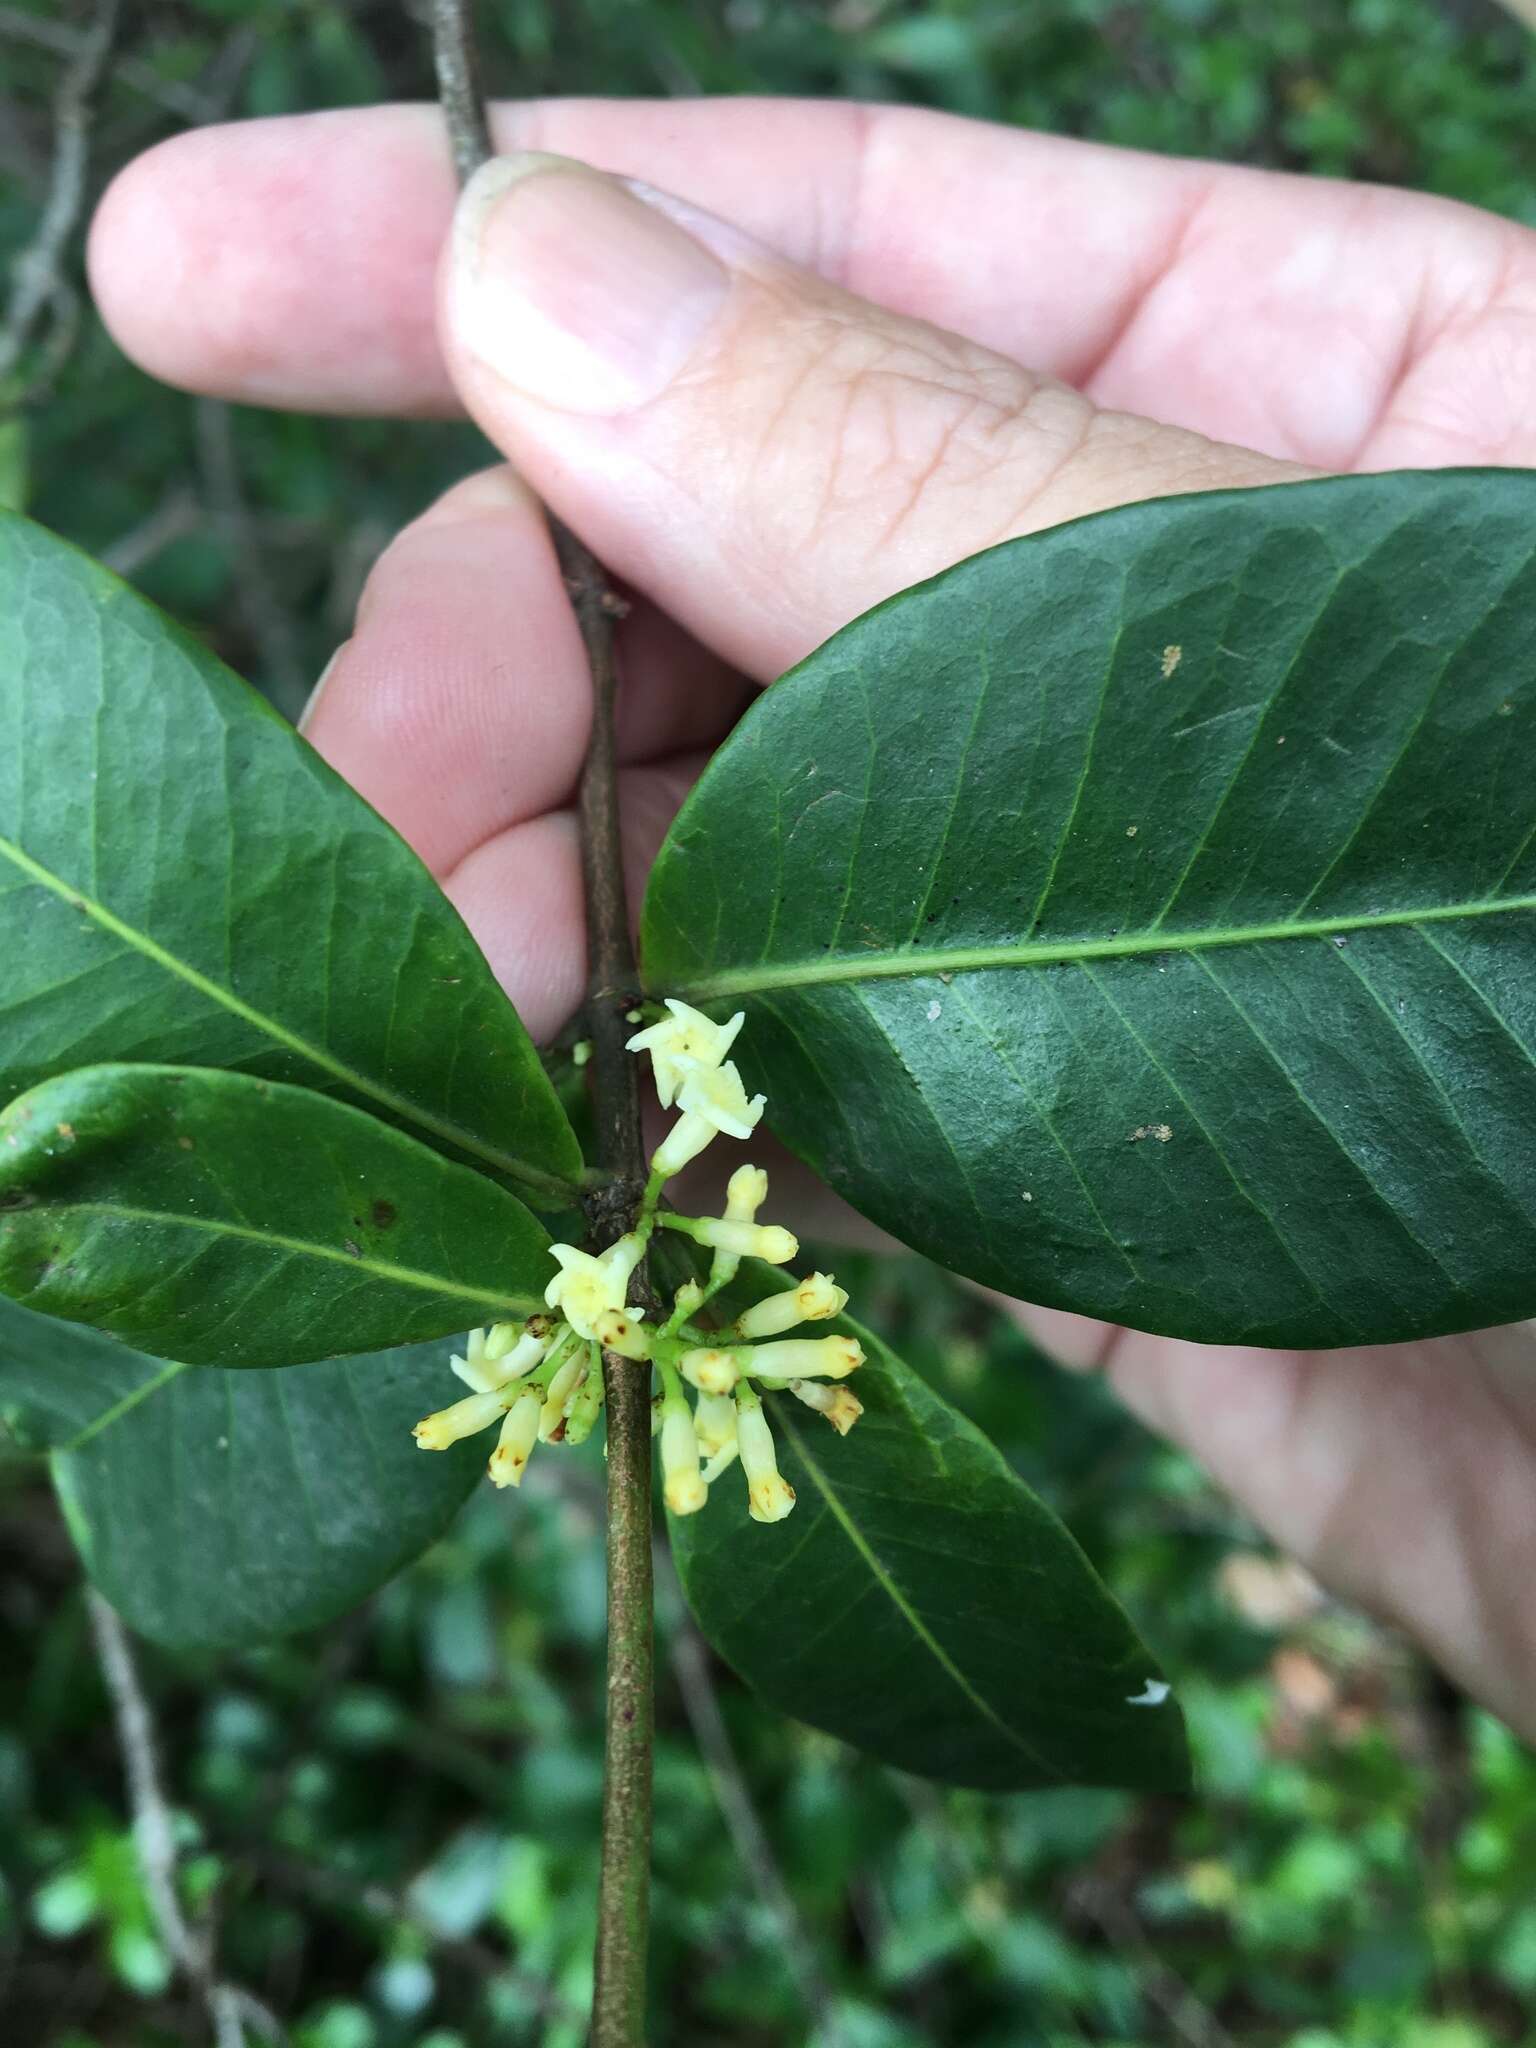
[[220, 1509], [182, 879], [221, 1220], [1139, 916], [923, 1604]]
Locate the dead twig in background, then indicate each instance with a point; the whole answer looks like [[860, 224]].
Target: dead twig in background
[[230, 2008], [262, 611], [184, 101], [39, 287], [696, 1686]]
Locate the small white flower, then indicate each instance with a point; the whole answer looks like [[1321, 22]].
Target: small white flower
[[618, 1330], [476, 1368], [769, 1496], [714, 1422], [718, 1093], [560, 1392], [519, 1434], [683, 1043], [811, 1302], [500, 1355], [464, 1418], [585, 1287], [683, 1483], [840, 1405], [769, 1241], [745, 1193], [713, 1101], [712, 1372], [803, 1358]]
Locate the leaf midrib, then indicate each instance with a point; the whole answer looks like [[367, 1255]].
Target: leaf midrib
[[914, 1621], [913, 961], [401, 1106], [355, 1262]]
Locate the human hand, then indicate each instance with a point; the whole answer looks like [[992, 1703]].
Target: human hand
[[762, 454]]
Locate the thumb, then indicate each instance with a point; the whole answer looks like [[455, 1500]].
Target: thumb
[[762, 453]]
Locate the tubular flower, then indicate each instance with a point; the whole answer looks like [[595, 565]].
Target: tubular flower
[[586, 1286], [712, 1100], [682, 1043], [745, 1193], [712, 1372], [769, 1496], [803, 1358], [616, 1329], [502, 1353], [770, 1242], [464, 1418], [682, 1481], [543, 1380], [561, 1389], [514, 1447], [811, 1302], [714, 1423], [840, 1405]]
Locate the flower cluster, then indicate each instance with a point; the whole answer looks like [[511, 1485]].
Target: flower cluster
[[543, 1382]]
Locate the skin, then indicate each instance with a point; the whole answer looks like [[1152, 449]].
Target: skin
[[932, 334]]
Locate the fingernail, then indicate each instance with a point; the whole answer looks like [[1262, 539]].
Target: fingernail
[[574, 289], [312, 703]]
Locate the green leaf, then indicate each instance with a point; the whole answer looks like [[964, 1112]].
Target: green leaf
[[217, 1509], [183, 879], [222, 1220], [922, 1603], [1138, 917]]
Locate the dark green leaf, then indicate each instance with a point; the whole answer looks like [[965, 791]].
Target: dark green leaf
[[924, 1605], [216, 1509], [224, 1220], [1139, 916], [182, 878]]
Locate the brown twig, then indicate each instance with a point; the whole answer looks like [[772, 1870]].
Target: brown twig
[[38, 284], [623, 1906], [230, 2008]]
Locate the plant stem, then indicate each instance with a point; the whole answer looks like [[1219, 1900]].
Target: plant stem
[[623, 1904], [611, 1207]]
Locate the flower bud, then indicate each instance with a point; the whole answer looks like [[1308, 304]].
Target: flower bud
[[712, 1372], [684, 1142], [714, 1422], [687, 1300], [449, 1425], [840, 1405], [583, 1409], [519, 1434], [810, 1302], [618, 1331], [769, 1496], [804, 1358], [768, 1241], [745, 1193], [683, 1484], [563, 1384]]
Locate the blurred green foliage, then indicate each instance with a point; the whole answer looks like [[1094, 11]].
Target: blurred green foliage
[[393, 1826]]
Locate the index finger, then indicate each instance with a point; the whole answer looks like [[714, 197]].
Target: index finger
[[292, 259]]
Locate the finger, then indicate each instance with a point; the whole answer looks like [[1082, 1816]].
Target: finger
[[520, 891], [761, 453], [461, 705], [1326, 323]]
